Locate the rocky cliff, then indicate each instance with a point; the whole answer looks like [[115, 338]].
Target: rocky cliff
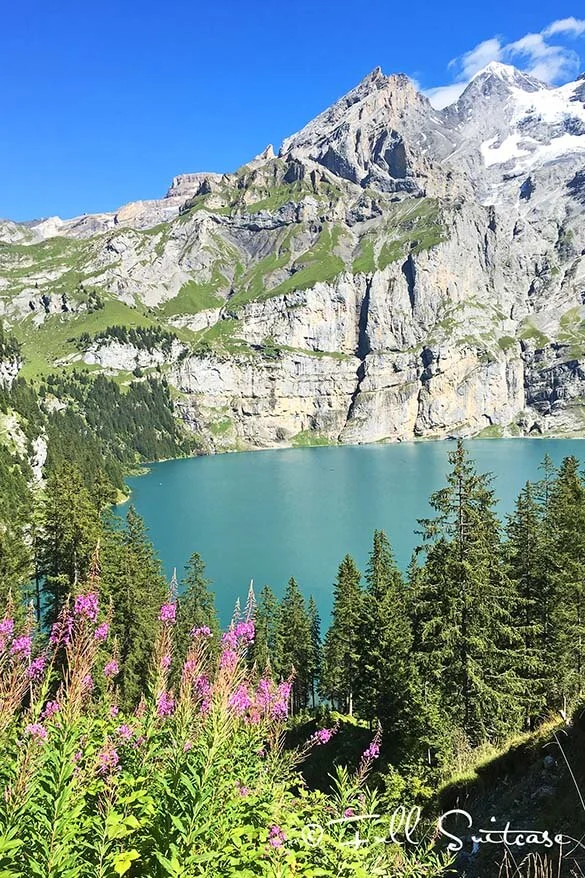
[[394, 272]]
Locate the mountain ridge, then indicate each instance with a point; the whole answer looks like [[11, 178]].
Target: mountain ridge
[[394, 271]]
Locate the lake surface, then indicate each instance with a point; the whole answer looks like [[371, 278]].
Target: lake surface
[[270, 515]]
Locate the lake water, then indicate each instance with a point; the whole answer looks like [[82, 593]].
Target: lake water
[[271, 515]]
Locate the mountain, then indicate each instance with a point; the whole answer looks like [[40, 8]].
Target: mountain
[[393, 272]]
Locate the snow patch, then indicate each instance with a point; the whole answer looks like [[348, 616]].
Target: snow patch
[[505, 152]]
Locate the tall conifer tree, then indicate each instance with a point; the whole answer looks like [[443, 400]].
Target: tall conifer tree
[[465, 608], [341, 647], [295, 643]]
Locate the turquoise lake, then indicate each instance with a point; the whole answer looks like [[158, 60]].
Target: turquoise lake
[[270, 515]]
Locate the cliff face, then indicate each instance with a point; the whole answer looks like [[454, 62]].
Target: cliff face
[[395, 272]]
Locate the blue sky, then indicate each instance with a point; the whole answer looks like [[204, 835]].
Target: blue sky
[[103, 103]]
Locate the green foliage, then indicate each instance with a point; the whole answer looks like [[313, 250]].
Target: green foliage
[[182, 784], [342, 648], [195, 605], [144, 338], [465, 606], [295, 644]]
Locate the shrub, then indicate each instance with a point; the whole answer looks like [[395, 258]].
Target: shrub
[[193, 781]]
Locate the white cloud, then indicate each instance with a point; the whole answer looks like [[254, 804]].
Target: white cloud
[[444, 95], [532, 53], [572, 25], [474, 61]]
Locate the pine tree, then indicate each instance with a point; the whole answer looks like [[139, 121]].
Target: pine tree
[[195, 606], [341, 648], [526, 552], [71, 530], [316, 649], [265, 653], [566, 522], [295, 643], [384, 631], [132, 579], [465, 608]]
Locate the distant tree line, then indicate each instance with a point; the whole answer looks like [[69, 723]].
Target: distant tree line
[[144, 338]]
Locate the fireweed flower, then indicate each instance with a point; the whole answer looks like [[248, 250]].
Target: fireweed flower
[[61, 631], [36, 668], [322, 736], [108, 760], [241, 635], [125, 732], [349, 812], [189, 668], [242, 790], [114, 711], [87, 605], [21, 646], [111, 668], [101, 632], [277, 837], [6, 630], [36, 731], [280, 706], [51, 708], [168, 613], [372, 752], [165, 705], [240, 700], [228, 659], [165, 662], [203, 631], [87, 682], [187, 746]]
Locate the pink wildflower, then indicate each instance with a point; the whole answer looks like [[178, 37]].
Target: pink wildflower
[[228, 659], [87, 605], [263, 694], [277, 837], [36, 668], [165, 662], [372, 752], [165, 705], [322, 736], [61, 631], [6, 630], [6, 627], [51, 708], [203, 631], [87, 682], [139, 742], [37, 731], [241, 635], [114, 711], [240, 700], [108, 760], [280, 706], [349, 812], [202, 685], [21, 646], [125, 732], [101, 632], [187, 746], [242, 790], [111, 669], [168, 613]]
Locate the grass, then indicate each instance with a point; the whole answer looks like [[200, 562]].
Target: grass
[[530, 332], [507, 342], [194, 297], [55, 338], [308, 438]]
